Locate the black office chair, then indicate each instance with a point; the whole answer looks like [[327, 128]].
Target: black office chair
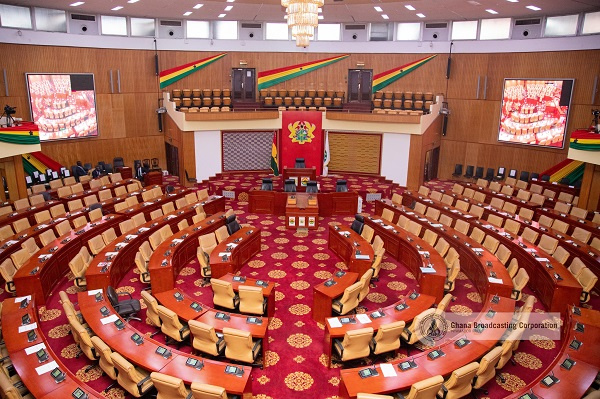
[[311, 187], [512, 174], [545, 178], [565, 181], [457, 170], [108, 168], [232, 224], [341, 186], [127, 308], [469, 173], [267, 184], [358, 223], [73, 167], [289, 186], [118, 162], [102, 163], [169, 189], [87, 166], [478, 173], [47, 196], [534, 175], [300, 163], [95, 206], [500, 175], [524, 176], [489, 175], [188, 178]]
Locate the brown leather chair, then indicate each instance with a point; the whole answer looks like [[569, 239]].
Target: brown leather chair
[[387, 338], [355, 345], [205, 339], [240, 346], [348, 301], [134, 380], [223, 295], [252, 300], [487, 368], [169, 387], [171, 326], [460, 382], [206, 391]]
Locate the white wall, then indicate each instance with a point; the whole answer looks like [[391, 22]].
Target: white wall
[[394, 157], [208, 154]]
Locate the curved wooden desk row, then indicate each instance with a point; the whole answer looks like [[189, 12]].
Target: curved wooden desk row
[[415, 253], [147, 207], [454, 357], [352, 248], [391, 314], [28, 212], [207, 315], [479, 268], [571, 220], [330, 204], [22, 353], [575, 381], [89, 191], [116, 259], [145, 355], [40, 275], [489, 194], [552, 291], [173, 254]]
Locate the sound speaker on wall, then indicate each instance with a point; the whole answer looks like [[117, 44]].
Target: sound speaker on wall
[[444, 124], [448, 67]]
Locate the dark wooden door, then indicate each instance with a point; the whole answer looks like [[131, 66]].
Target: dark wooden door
[[172, 153], [243, 81], [359, 85], [432, 158]]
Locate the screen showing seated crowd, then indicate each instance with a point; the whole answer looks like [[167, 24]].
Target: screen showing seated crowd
[[535, 111], [63, 105]]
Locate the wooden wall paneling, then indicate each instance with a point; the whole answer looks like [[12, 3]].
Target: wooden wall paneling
[[187, 156], [590, 188], [355, 152], [419, 145], [465, 70]]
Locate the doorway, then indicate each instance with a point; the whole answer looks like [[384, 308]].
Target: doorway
[[243, 82], [359, 85], [172, 154], [432, 158]]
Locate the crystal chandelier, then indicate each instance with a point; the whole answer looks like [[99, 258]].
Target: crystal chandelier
[[303, 18]]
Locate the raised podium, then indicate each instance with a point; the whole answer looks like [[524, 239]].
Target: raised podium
[[300, 175]]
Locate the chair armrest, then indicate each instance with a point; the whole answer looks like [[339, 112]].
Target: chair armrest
[[190, 396], [408, 333], [338, 345], [182, 330], [584, 295], [236, 300], [124, 293], [257, 344], [515, 291], [444, 391], [10, 285], [142, 382], [337, 302]]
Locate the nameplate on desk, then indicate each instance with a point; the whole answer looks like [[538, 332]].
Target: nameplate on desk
[[110, 319], [143, 229], [34, 348], [44, 257], [104, 265], [120, 246], [388, 370], [130, 237], [363, 257], [334, 322], [427, 270], [22, 298], [27, 327], [495, 280], [46, 368], [169, 217]]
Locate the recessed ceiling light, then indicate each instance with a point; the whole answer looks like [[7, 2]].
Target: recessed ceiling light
[[492, 11], [474, 3], [513, 1], [285, 17], [77, 3], [197, 6], [185, 14], [534, 8], [409, 7], [133, 1], [222, 15], [117, 8], [231, 1], [228, 8], [378, 9], [321, 17], [384, 16], [421, 15]]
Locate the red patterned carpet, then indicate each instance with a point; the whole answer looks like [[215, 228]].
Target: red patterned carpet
[[295, 365]]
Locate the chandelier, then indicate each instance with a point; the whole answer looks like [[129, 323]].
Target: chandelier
[[303, 18]]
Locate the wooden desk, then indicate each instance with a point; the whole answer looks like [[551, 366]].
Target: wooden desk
[[40, 278], [323, 296], [554, 186], [267, 202], [40, 386], [267, 291], [571, 220], [415, 306], [330, 204], [120, 264], [144, 356], [125, 171], [247, 241], [298, 174], [411, 251], [345, 246], [338, 204], [169, 258], [147, 207], [89, 191], [28, 213], [455, 357], [214, 204], [153, 177], [299, 212], [489, 194]]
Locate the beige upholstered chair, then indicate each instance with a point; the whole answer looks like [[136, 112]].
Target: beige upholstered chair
[[436, 195], [487, 367], [134, 380], [20, 225], [562, 207], [365, 284], [396, 198], [120, 191], [30, 246], [460, 382], [430, 237], [469, 193], [142, 267], [376, 265], [432, 213], [191, 198], [490, 243], [445, 220], [169, 387], [581, 235], [477, 235], [387, 338], [19, 257], [387, 214], [495, 220], [198, 217], [426, 389], [519, 282], [240, 346], [106, 363], [165, 232], [497, 203], [42, 217], [368, 233], [510, 208], [63, 228], [450, 257], [561, 255], [223, 294], [420, 208], [457, 189], [452, 275], [507, 190], [79, 222], [206, 391], [109, 236], [413, 333], [151, 309], [525, 214], [96, 244], [512, 226], [222, 234], [84, 338], [355, 344], [252, 300], [183, 224], [78, 268], [523, 195], [168, 207], [545, 221], [180, 203], [537, 199], [442, 246], [155, 239], [536, 188], [513, 268], [47, 237], [8, 270], [6, 231], [424, 191], [476, 210], [529, 235], [348, 301], [171, 326], [548, 244], [126, 225], [413, 227], [579, 212], [503, 254], [208, 242], [75, 205], [462, 226], [138, 219], [64, 192], [587, 279], [205, 339], [448, 199], [403, 222], [576, 267], [441, 307], [131, 201], [508, 345], [462, 205]]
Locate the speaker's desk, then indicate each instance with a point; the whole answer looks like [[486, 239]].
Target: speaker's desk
[[330, 204], [302, 210]]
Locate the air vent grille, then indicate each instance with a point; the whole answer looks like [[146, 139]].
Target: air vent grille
[[524, 22], [250, 25], [436, 25], [83, 17], [170, 23], [355, 27]]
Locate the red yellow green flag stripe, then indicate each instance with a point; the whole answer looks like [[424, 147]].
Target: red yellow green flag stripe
[[170, 76], [384, 79], [584, 140], [278, 75], [27, 133], [274, 161]]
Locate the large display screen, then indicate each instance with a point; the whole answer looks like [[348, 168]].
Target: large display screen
[[63, 105], [535, 111]]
